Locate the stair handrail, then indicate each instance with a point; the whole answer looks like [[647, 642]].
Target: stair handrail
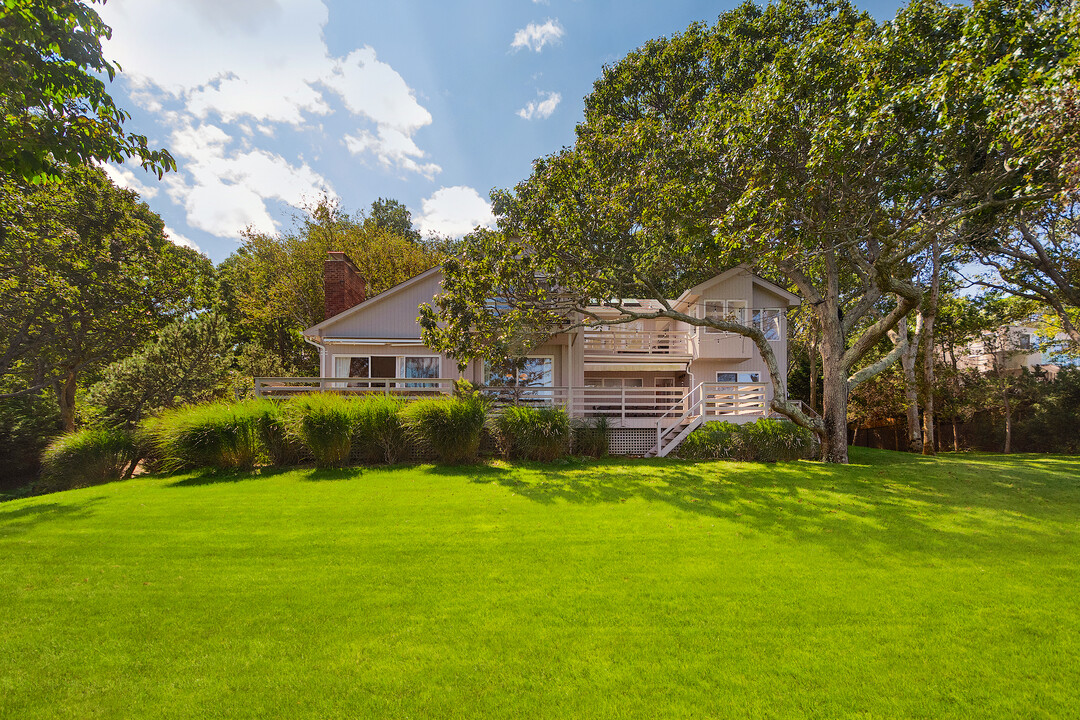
[[686, 413]]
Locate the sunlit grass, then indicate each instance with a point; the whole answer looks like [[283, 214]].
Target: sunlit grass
[[899, 586]]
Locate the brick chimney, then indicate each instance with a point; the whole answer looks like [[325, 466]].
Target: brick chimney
[[343, 284]]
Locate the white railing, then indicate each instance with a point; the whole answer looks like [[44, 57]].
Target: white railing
[[404, 387], [713, 401], [599, 341]]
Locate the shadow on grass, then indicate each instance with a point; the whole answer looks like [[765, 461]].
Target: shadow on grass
[[888, 502], [19, 520]]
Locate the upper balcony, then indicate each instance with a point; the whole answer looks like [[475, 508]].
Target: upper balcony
[[637, 345]]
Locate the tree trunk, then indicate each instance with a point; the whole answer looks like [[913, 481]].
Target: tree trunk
[[930, 309], [955, 435], [1008, 424], [834, 446], [65, 397], [911, 388], [813, 369]]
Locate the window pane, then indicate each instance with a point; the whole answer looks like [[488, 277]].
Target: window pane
[[632, 382], [359, 367], [421, 367], [727, 377], [536, 372]]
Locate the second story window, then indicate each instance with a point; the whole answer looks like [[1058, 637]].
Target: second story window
[[724, 310]]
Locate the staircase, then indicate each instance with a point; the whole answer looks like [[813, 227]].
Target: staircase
[[668, 439]]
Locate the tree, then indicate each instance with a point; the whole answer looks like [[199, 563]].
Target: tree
[[800, 138], [54, 107], [87, 275], [273, 285], [391, 215], [188, 361]]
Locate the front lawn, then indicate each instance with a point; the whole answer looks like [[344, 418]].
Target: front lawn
[[896, 587]]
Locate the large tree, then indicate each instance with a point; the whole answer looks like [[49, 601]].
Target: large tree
[[802, 139], [86, 276], [54, 108]]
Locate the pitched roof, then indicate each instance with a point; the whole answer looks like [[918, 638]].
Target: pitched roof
[[314, 330]]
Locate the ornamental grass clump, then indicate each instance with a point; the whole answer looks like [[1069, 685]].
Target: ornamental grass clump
[[282, 448], [591, 437], [324, 423], [448, 426], [380, 432], [770, 440], [86, 457], [532, 433], [222, 436], [712, 441]]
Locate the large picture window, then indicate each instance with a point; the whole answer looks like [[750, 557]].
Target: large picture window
[[738, 377], [352, 366], [421, 367]]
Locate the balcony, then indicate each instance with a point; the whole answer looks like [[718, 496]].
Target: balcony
[[637, 345]]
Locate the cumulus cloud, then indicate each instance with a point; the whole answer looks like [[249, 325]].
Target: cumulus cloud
[[541, 108], [535, 37], [454, 211], [125, 178], [225, 189], [180, 240], [235, 66]]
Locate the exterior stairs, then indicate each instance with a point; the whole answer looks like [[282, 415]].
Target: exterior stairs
[[675, 435]]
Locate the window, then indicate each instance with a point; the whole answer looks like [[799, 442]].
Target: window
[[1023, 341], [526, 372], [622, 382], [729, 310], [743, 377], [420, 366], [768, 322], [352, 367]]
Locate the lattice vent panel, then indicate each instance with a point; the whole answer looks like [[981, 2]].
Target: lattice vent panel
[[631, 441]]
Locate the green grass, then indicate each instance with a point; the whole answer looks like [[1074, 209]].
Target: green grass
[[896, 587]]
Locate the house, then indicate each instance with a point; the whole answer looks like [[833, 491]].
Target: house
[[1009, 349], [655, 380]]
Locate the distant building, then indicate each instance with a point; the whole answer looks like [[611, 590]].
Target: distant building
[[1009, 349]]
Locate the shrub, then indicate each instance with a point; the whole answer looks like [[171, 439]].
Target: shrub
[[769, 440], [86, 457], [591, 437], [766, 440], [380, 429], [712, 441], [532, 433], [324, 423], [282, 448], [216, 435], [449, 426]]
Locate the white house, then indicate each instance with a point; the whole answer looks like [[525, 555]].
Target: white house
[[655, 380]]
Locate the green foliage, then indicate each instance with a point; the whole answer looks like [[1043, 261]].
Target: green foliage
[[27, 423], [217, 435], [532, 433], [765, 440], [591, 436], [188, 362], [90, 456], [281, 447], [393, 216], [53, 105], [1051, 422], [86, 277], [325, 424], [380, 429], [449, 426]]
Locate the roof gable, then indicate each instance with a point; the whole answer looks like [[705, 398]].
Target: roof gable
[[375, 300]]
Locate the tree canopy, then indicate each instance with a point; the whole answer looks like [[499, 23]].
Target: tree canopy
[[55, 109]]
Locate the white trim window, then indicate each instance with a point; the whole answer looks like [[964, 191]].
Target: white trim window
[[426, 367], [622, 382], [738, 377], [352, 366], [729, 310], [532, 371], [767, 320]]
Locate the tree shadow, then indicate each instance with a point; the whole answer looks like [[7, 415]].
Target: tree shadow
[[18, 520], [889, 502]]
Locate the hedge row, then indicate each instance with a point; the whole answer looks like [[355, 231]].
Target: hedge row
[[325, 428]]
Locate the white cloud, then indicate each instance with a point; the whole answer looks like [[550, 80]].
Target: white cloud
[[246, 65], [454, 211], [180, 240], [225, 190], [535, 37], [125, 178], [542, 108]]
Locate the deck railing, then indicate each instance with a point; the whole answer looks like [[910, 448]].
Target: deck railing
[[606, 342]]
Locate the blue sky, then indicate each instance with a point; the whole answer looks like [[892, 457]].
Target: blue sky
[[268, 103]]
